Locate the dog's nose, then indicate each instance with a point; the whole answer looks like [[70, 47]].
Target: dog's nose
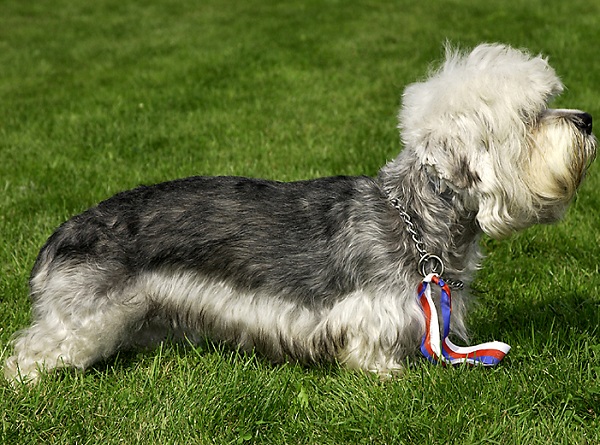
[[583, 121]]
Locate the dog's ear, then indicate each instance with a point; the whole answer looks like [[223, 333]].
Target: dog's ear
[[451, 158]]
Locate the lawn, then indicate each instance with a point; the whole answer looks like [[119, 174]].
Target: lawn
[[97, 97]]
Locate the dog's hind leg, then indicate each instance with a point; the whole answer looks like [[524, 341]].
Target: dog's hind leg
[[76, 322]]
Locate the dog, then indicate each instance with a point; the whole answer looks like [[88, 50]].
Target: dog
[[321, 270]]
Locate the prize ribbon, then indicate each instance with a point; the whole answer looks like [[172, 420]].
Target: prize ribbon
[[486, 354]]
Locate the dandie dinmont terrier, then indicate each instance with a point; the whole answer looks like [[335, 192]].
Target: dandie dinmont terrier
[[322, 270]]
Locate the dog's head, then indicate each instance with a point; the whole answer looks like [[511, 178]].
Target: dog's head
[[482, 126]]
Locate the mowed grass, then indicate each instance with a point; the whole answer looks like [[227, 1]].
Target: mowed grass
[[97, 97]]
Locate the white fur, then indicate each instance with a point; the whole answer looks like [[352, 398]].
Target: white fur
[[184, 301]]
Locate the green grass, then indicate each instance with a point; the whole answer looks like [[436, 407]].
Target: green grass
[[96, 97]]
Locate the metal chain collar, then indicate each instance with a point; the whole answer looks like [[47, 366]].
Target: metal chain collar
[[428, 262]]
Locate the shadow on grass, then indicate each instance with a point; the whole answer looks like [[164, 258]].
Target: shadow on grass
[[572, 311], [206, 353]]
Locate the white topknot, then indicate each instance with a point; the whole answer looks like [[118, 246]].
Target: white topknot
[[492, 82]]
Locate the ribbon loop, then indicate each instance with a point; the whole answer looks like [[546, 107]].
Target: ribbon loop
[[437, 349]]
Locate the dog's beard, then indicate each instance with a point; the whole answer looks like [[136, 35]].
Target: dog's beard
[[538, 186], [559, 159]]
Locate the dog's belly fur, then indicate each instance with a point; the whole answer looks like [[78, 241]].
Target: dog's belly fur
[[305, 271]]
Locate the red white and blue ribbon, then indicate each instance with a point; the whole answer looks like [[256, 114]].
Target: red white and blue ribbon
[[443, 350]]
